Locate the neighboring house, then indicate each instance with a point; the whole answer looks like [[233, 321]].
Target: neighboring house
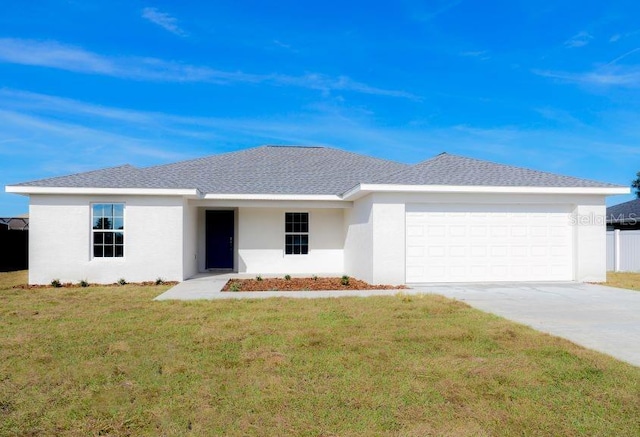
[[14, 243], [625, 216], [317, 210]]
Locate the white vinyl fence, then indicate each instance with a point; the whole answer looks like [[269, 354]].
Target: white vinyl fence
[[623, 251]]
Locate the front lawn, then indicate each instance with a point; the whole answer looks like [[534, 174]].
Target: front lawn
[[109, 361], [628, 280]]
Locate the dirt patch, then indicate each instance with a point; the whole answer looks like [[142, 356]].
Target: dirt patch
[[303, 284]]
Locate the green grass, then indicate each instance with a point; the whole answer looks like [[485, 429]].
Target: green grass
[[109, 361], [628, 280]]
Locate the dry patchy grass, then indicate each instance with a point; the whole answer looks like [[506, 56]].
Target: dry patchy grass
[[109, 361], [628, 280]]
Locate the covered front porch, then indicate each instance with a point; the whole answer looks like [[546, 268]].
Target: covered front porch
[[264, 237]]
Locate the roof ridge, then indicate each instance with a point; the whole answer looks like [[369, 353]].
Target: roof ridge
[[409, 167], [292, 146]]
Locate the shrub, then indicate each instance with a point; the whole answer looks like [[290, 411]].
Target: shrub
[[314, 277], [344, 280], [121, 281], [235, 286], [84, 283], [56, 283], [159, 281], [287, 277], [258, 278]]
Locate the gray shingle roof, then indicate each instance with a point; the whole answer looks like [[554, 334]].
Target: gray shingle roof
[[627, 211], [309, 170], [446, 169], [278, 170], [125, 176]]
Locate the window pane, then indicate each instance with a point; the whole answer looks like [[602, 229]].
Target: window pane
[[108, 237], [97, 251], [118, 210], [98, 237], [119, 237], [108, 251], [118, 223], [119, 251], [102, 223], [97, 210]]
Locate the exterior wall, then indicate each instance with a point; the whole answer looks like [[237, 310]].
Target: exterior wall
[[60, 243], [386, 230], [164, 236], [388, 239], [190, 240], [590, 240], [358, 245], [260, 242]]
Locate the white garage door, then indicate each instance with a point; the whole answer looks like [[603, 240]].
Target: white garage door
[[470, 243]]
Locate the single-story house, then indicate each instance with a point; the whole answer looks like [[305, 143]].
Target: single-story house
[[625, 216], [318, 210]]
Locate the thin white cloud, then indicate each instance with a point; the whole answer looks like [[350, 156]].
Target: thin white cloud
[[624, 55], [482, 55], [580, 39], [608, 75], [439, 8], [620, 36], [164, 20], [53, 54]]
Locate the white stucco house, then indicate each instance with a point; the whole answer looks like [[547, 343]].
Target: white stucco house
[[318, 210]]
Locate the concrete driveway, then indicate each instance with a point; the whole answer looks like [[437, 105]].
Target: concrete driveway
[[602, 318]]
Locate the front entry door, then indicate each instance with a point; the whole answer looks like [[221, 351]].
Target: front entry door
[[219, 239]]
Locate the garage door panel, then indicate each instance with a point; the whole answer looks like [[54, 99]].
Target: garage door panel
[[457, 243]]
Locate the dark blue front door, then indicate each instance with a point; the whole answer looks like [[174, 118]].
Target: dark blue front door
[[219, 231]]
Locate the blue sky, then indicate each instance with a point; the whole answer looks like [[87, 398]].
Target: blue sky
[[550, 85]]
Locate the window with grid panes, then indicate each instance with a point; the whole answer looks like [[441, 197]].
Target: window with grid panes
[[296, 233], [107, 230]]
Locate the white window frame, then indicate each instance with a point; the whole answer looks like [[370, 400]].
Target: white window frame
[[113, 231], [307, 233]]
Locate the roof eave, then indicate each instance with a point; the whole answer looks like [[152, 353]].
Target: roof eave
[[29, 190], [323, 197], [364, 189]]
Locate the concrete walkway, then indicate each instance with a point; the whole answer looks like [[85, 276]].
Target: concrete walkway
[[602, 318], [209, 287]]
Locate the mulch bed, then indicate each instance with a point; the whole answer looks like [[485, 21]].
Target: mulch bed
[[302, 284]]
